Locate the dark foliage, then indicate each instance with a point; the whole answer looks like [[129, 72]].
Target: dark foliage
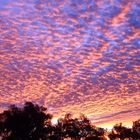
[[33, 123], [123, 132], [22, 124]]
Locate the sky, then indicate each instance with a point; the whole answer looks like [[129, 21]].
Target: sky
[[78, 56]]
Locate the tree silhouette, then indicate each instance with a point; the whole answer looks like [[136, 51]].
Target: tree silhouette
[[120, 131], [23, 124], [70, 127], [31, 122], [136, 130]]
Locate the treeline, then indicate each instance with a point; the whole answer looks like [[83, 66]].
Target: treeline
[[33, 123]]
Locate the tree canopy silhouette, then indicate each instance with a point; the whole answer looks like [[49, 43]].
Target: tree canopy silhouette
[[32, 122], [23, 123]]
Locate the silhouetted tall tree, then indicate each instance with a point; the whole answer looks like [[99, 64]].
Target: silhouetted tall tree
[[24, 123]]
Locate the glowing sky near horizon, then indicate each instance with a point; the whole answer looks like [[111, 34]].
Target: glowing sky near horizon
[[72, 56]]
